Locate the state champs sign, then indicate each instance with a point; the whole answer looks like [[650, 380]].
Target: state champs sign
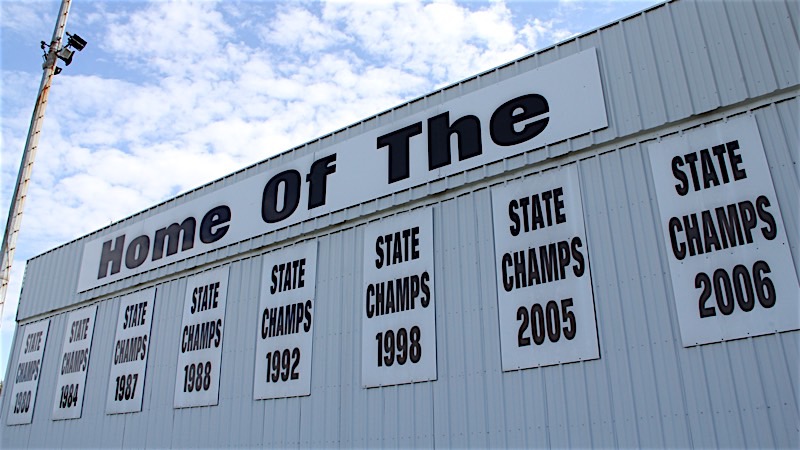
[[545, 300], [732, 273]]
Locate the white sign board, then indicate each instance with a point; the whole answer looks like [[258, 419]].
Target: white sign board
[[732, 273], [26, 376], [285, 323], [131, 349], [398, 326], [521, 113], [74, 363], [544, 286], [200, 348]]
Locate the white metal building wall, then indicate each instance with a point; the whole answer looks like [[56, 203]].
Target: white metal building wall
[[677, 66]]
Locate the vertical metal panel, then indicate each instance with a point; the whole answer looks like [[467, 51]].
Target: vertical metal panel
[[696, 60], [753, 52], [624, 113], [727, 71], [778, 128], [670, 73], [661, 70], [778, 23], [647, 87]]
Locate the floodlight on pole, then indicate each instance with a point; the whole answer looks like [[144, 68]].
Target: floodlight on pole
[[75, 41], [55, 51]]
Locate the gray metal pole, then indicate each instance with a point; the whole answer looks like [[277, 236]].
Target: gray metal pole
[[28, 155]]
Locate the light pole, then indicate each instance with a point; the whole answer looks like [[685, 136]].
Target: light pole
[[55, 51]]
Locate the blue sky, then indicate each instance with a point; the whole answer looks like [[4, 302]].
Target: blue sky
[[170, 95]]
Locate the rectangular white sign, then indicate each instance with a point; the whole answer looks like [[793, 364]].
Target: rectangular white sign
[[732, 273], [131, 349], [285, 323], [544, 285], [26, 376], [528, 111], [200, 348], [398, 326], [74, 364]]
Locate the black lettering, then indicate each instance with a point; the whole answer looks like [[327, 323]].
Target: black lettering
[[512, 214], [216, 218], [536, 213], [274, 277], [403, 297], [747, 212], [33, 342], [546, 197], [519, 269], [415, 242], [425, 278], [468, 132], [548, 262], [281, 318], [678, 248], [503, 124], [710, 238], [414, 289], [563, 258], [379, 299], [577, 255], [172, 234], [559, 205], [736, 159], [370, 307], [533, 269], [264, 327], [691, 158], [390, 306], [307, 314], [398, 143], [291, 196], [523, 204], [111, 256], [291, 318], [719, 152], [317, 180], [27, 371], [729, 227], [771, 231], [693, 241], [379, 252], [682, 188], [137, 252], [397, 251], [709, 171], [273, 321], [508, 279]]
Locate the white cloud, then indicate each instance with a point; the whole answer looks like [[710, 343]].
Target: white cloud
[[298, 29], [172, 37], [18, 16], [441, 40], [538, 31]]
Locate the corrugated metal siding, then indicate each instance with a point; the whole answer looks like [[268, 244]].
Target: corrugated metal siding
[[673, 62], [646, 390]]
